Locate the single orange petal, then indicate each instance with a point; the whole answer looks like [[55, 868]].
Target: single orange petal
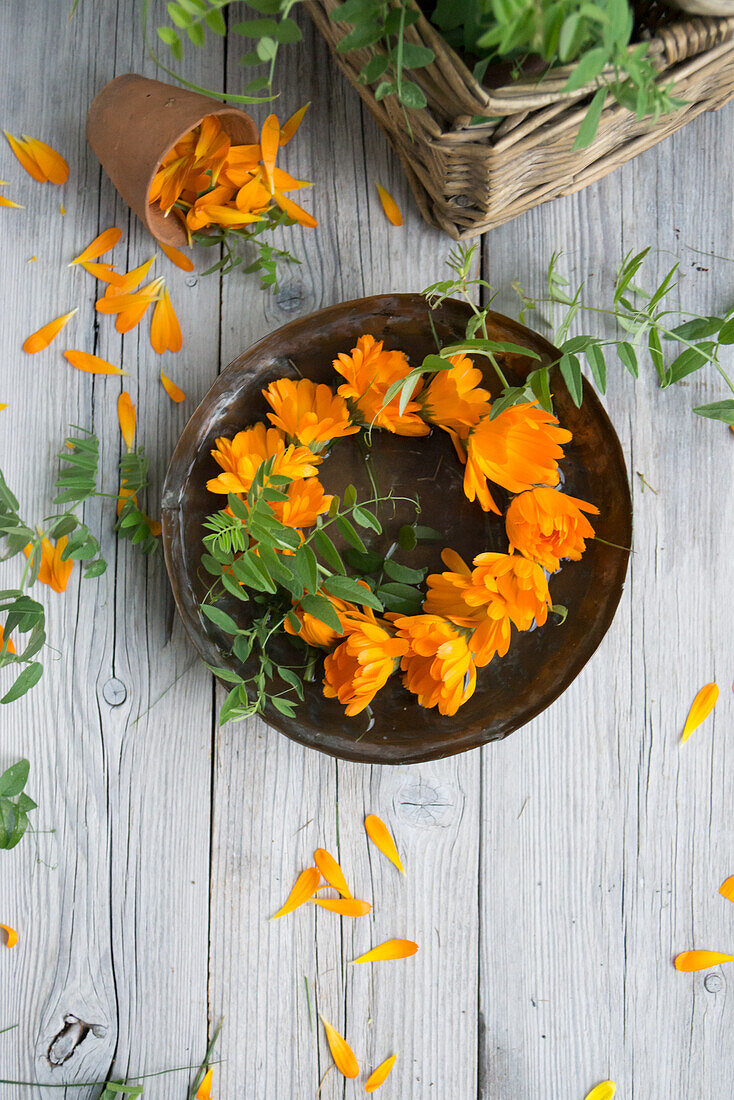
[[172, 389], [11, 936], [126, 416], [204, 1091], [177, 258], [293, 210], [25, 158], [331, 871], [165, 331], [9, 202], [4, 407], [380, 1075], [155, 527], [131, 280], [345, 907], [101, 244], [391, 208], [82, 360], [304, 889], [603, 1091], [727, 889], [52, 164], [37, 341], [689, 961], [269, 141], [289, 127], [389, 950], [104, 272], [380, 836], [701, 707], [341, 1052]]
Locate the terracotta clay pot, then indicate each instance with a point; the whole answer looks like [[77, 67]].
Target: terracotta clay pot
[[132, 124]]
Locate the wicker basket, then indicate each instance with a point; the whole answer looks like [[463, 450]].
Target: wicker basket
[[469, 178]]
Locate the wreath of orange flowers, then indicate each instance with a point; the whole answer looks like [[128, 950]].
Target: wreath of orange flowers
[[469, 612]]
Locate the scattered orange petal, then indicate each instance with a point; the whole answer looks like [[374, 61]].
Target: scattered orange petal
[[269, 141], [104, 272], [101, 244], [62, 210], [701, 707], [11, 936], [32, 260], [37, 341], [293, 210], [9, 202], [341, 1052], [727, 889], [4, 407], [380, 835], [689, 961], [165, 331], [331, 871], [289, 127], [345, 907], [126, 416], [391, 208], [155, 527], [172, 389], [204, 1091], [52, 165], [304, 889], [26, 160], [131, 280], [380, 1075], [603, 1091], [389, 950], [82, 360], [177, 258]]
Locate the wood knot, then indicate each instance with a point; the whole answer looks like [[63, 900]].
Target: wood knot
[[426, 802], [291, 297], [71, 1036]]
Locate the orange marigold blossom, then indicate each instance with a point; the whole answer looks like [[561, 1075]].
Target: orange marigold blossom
[[446, 595], [53, 571], [546, 525], [454, 399], [319, 634], [306, 502], [308, 413], [165, 331], [363, 663], [242, 456], [509, 586], [40, 340], [438, 665], [369, 371], [519, 449], [39, 160]]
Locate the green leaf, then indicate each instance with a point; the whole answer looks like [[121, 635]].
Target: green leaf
[[427, 534], [407, 538], [403, 573], [726, 336], [368, 562], [539, 383], [595, 358], [220, 618], [400, 597], [177, 15], [14, 779], [718, 410], [411, 95], [95, 569], [628, 356], [223, 673], [374, 69], [293, 679], [283, 705], [28, 678], [215, 22], [571, 371], [590, 66], [592, 118], [323, 610], [367, 519], [696, 329], [307, 568], [350, 534], [266, 49], [346, 588], [562, 611], [656, 354], [328, 551], [197, 34], [688, 362], [367, 34], [415, 56]]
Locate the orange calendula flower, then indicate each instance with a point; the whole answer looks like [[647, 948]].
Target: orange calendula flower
[[446, 596], [11, 936], [106, 240], [603, 1091], [388, 951], [390, 207], [172, 389], [727, 889], [6, 644], [126, 416], [701, 707], [369, 371], [308, 413], [344, 907], [312, 630], [519, 449], [204, 1091], [40, 340], [509, 586], [331, 871], [455, 399], [381, 837], [438, 666], [356, 670], [241, 458], [690, 961], [341, 1052], [380, 1075], [305, 888], [546, 525], [165, 331], [130, 307], [39, 160], [53, 571], [185, 263], [92, 364], [306, 502]]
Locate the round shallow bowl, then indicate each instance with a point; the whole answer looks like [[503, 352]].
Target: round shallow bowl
[[540, 663]]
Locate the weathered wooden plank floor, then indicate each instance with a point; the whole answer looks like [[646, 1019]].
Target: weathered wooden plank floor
[[551, 878]]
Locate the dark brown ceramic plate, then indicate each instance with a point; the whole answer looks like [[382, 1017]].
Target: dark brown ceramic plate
[[541, 663]]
